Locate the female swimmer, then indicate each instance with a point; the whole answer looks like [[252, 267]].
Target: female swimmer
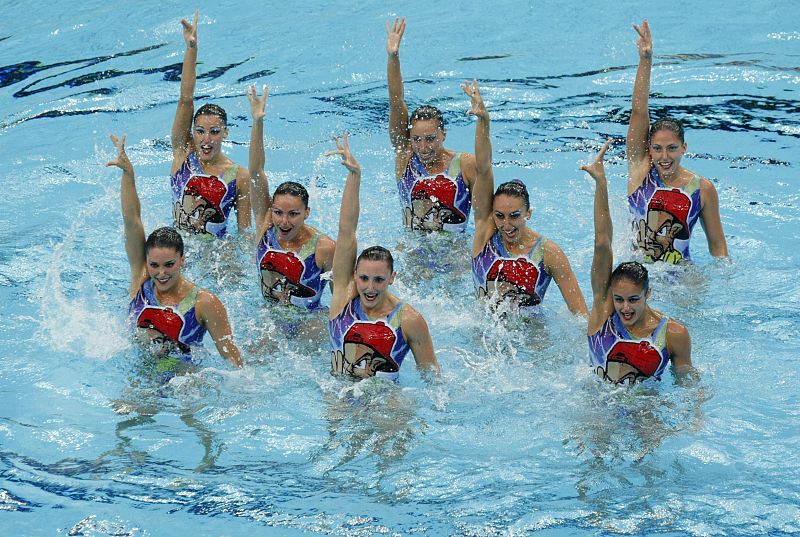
[[291, 255], [206, 184], [628, 340], [371, 330], [434, 182], [510, 261], [665, 198], [171, 313]]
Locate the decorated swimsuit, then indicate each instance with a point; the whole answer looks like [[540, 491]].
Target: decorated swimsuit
[[174, 330], [295, 275], [617, 357], [202, 203], [438, 202], [361, 347], [522, 280], [663, 217]]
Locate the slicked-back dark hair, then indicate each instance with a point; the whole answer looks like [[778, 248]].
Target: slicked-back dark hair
[[427, 112], [632, 271], [377, 253], [164, 237], [292, 188], [212, 110], [516, 189], [666, 124]]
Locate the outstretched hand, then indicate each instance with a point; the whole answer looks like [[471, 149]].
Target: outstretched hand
[[190, 30], [596, 168], [122, 161], [257, 105], [476, 101], [343, 149], [394, 35], [645, 41]]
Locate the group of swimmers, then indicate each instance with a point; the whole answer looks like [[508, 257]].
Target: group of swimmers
[[371, 330]]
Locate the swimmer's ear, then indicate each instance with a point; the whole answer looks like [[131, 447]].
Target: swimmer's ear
[[391, 278], [648, 293], [308, 211]]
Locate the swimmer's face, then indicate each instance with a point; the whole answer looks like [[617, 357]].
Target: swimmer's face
[[193, 212], [275, 286], [630, 301], [164, 267], [660, 233], [362, 361], [427, 139], [509, 215], [429, 215], [208, 133], [372, 279], [666, 150], [289, 213]]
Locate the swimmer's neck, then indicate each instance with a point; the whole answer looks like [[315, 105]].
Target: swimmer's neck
[[382, 309], [439, 163]]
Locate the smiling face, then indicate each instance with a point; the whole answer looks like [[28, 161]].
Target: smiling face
[[164, 267], [660, 233], [372, 280], [289, 213], [208, 134], [630, 301], [509, 215], [427, 139], [193, 212], [666, 150]]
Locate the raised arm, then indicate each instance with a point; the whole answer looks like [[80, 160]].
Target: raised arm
[[344, 257], [182, 125], [212, 314], [636, 148], [603, 254], [131, 215], [398, 111], [483, 189], [259, 186]]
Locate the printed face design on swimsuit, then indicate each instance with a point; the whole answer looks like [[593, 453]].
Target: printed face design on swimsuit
[[160, 329], [200, 204], [367, 350], [281, 274], [630, 361], [666, 221], [433, 204], [513, 281]]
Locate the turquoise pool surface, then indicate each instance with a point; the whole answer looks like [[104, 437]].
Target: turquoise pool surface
[[519, 438]]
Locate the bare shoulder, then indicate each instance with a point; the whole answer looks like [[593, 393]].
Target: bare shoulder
[[412, 321], [324, 251], [469, 169]]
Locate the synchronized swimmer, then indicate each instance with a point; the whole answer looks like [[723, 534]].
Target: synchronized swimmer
[[370, 329]]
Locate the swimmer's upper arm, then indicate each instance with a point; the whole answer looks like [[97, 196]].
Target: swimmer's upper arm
[[212, 315], [679, 345], [711, 221], [558, 265], [326, 247], [416, 332]]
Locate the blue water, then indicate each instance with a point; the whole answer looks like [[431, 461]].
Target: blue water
[[518, 439]]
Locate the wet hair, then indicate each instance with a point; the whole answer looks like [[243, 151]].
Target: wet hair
[[427, 112], [292, 189], [212, 110], [632, 271], [516, 189], [666, 124], [164, 237], [377, 253]]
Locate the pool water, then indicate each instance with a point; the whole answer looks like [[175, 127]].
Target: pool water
[[518, 438]]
